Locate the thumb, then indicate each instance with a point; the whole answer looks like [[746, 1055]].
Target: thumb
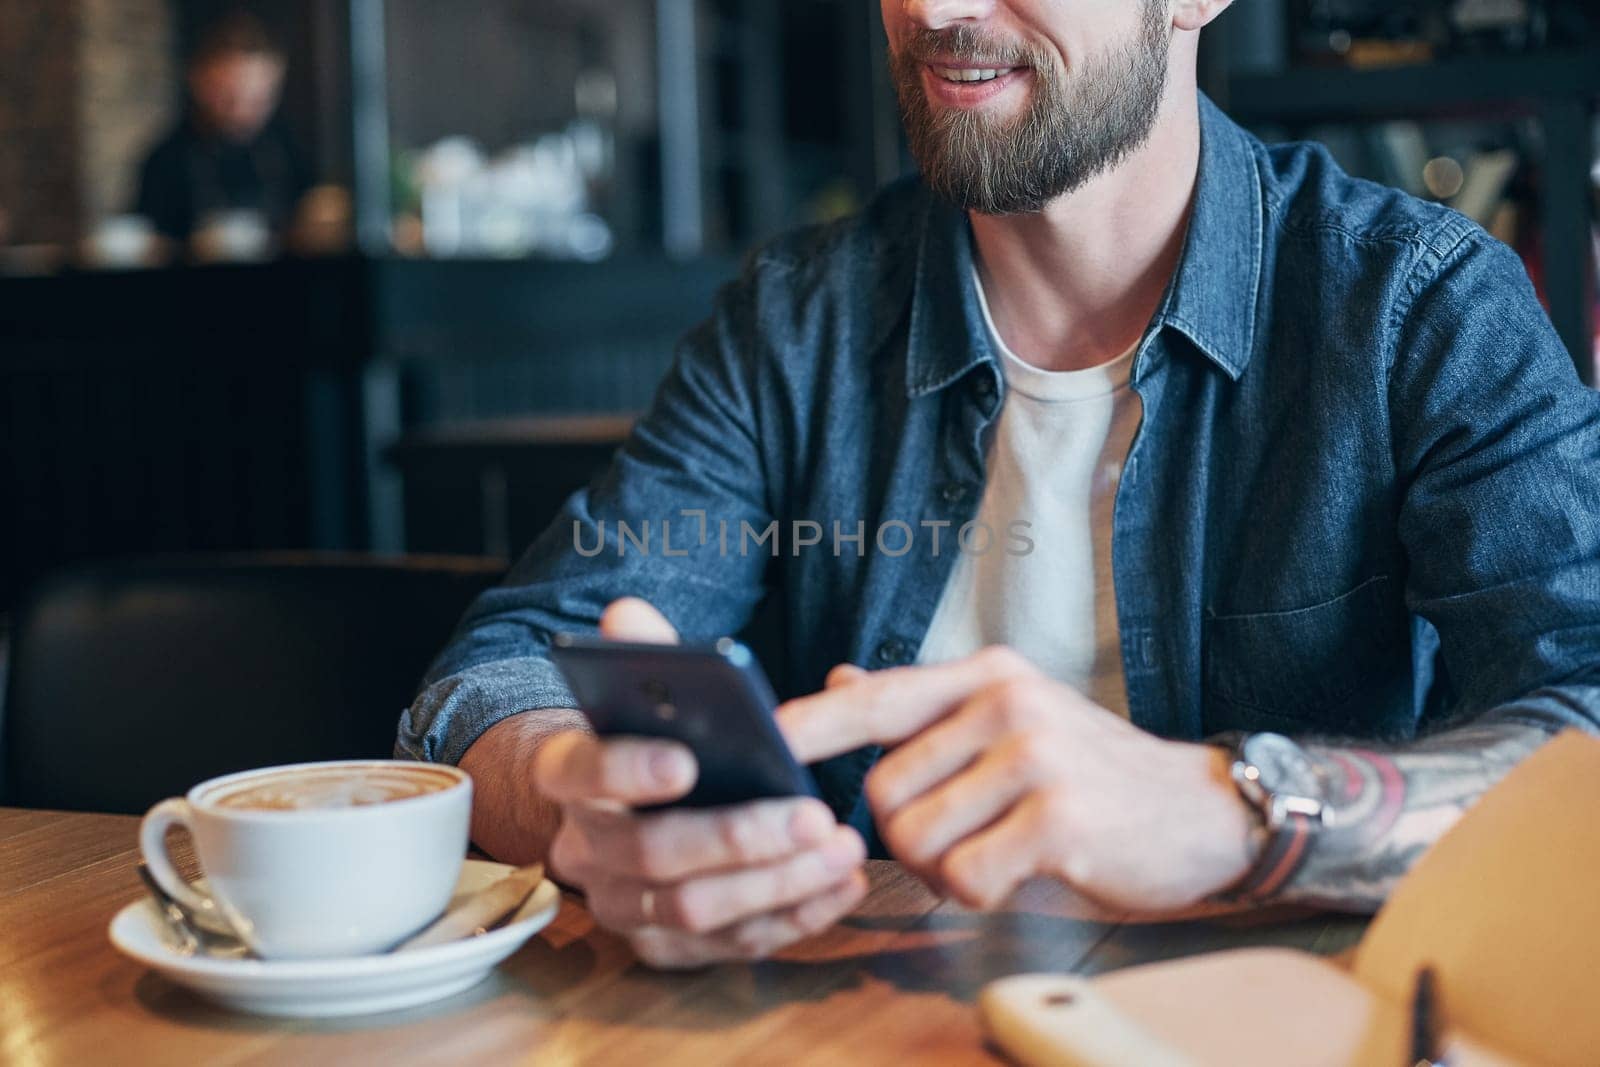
[[633, 619], [844, 674]]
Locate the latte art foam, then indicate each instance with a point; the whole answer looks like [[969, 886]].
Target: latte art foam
[[337, 787]]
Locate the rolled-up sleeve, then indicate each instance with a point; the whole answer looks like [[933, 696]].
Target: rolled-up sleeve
[[454, 711]]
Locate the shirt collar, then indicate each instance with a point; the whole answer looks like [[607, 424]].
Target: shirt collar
[[1211, 299]]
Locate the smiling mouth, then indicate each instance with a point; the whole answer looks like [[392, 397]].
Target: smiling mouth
[[961, 75]]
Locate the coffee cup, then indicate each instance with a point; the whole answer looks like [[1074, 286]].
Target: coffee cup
[[319, 860], [240, 236]]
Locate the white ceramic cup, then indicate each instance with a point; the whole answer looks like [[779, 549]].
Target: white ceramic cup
[[241, 236], [318, 882]]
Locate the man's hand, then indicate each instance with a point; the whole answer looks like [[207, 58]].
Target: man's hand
[[1000, 774], [689, 887]]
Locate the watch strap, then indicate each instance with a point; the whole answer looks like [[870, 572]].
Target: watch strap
[[1287, 836], [1283, 854]]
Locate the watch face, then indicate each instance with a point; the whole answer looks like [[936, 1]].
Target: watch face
[[1284, 767]]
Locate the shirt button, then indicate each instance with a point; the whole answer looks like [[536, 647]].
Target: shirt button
[[952, 492], [983, 387], [893, 650]]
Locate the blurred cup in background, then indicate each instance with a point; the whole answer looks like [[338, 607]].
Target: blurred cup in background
[[123, 242], [232, 237]]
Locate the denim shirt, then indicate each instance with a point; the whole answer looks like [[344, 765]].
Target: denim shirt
[[1364, 499]]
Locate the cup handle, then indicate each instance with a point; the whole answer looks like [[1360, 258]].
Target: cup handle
[[153, 844]]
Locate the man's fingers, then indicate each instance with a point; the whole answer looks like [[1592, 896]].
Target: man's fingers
[[763, 935], [718, 901], [844, 674], [934, 755], [574, 766], [633, 619], [987, 867], [674, 845], [890, 705], [922, 831], [766, 934], [827, 908]]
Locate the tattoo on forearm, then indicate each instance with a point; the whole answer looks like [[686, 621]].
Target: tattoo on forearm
[[1391, 803]]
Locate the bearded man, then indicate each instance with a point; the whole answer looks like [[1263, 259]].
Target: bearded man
[[1164, 513]]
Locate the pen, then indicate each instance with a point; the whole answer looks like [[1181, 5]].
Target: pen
[[1425, 1050]]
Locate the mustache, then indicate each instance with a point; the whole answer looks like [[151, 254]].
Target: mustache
[[970, 45]]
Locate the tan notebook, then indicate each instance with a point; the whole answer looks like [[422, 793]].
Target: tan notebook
[[1505, 909]]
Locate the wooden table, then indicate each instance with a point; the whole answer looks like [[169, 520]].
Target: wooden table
[[895, 983]]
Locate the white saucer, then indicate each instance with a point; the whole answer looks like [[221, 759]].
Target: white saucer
[[357, 985]]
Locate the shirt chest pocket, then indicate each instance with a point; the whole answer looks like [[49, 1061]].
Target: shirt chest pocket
[[1341, 667]]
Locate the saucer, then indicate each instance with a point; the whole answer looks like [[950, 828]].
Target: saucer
[[356, 985]]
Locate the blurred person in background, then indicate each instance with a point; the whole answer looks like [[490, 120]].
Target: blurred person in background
[[227, 173]]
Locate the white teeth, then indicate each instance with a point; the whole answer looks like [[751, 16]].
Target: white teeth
[[968, 74]]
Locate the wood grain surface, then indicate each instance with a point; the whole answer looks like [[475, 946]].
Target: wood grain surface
[[895, 983]]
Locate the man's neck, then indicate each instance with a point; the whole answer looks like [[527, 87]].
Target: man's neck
[[1076, 285]]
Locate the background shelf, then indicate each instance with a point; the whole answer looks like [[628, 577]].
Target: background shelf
[[1450, 88]]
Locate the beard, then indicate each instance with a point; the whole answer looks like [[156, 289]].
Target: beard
[[1074, 126]]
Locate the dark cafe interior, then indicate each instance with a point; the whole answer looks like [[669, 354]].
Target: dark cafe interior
[[1048, 532]]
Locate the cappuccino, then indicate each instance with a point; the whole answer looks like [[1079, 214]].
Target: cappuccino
[[321, 789], [319, 860]]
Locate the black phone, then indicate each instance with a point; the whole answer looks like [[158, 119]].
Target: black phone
[[713, 698]]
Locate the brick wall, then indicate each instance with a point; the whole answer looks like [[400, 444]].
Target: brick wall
[[39, 163], [85, 85], [129, 95]]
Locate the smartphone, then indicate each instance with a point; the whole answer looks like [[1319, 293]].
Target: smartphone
[[712, 698]]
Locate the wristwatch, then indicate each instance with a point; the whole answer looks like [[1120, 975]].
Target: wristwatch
[[1278, 779]]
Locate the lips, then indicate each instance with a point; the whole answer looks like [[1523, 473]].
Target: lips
[[970, 74], [965, 85]]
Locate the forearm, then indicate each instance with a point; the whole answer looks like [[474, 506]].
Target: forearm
[[511, 821], [1391, 802]]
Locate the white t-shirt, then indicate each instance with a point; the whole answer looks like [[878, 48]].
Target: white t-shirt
[[1055, 459]]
